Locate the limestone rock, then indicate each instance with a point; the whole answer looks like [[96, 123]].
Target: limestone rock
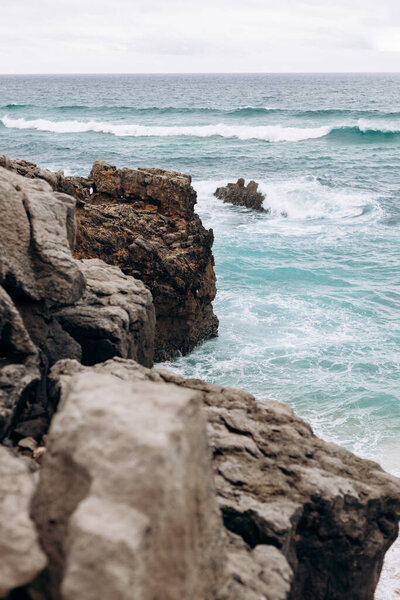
[[37, 232], [306, 519], [21, 558], [19, 363], [143, 221], [126, 505], [115, 317], [241, 195]]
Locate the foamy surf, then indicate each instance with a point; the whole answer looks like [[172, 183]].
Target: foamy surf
[[269, 133]]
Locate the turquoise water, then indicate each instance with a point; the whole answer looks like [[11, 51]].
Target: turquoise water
[[309, 304]]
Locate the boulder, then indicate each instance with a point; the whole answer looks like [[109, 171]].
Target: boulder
[[37, 234], [241, 195], [126, 505], [304, 518], [144, 222], [21, 558], [115, 317]]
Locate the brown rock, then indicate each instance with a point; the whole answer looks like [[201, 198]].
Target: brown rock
[[241, 195]]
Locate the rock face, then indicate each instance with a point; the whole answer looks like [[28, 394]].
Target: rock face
[[126, 506], [303, 518], [241, 195], [144, 222], [52, 306], [21, 558], [115, 316]]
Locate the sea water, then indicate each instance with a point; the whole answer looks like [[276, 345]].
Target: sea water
[[308, 295]]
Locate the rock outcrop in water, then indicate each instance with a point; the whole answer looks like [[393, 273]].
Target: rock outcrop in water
[[241, 195], [150, 485]]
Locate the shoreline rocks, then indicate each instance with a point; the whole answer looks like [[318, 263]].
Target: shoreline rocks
[[241, 195], [302, 518], [143, 472], [53, 306]]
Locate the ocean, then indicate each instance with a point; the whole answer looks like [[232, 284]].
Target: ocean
[[308, 295]]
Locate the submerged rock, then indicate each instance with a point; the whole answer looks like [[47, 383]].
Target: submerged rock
[[241, 195], [303, 518], [144, 222]]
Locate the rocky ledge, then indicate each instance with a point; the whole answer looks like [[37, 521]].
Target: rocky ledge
[[147, 485], [241, 195]]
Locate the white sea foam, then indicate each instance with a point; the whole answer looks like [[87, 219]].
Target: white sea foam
[[270, 133], [365, 126], [297, 199]]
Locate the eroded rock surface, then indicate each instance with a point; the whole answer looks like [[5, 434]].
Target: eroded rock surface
[[126, 505], [115, 316], [21, 558], [241, 195], [52, 306], [304, 518], [143, 221]]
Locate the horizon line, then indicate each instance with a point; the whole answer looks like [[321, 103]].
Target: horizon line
[[71, 73]]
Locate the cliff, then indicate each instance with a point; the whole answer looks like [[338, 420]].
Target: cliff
[[147, 485]]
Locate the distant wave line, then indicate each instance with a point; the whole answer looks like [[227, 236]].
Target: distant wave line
[[270, 133]]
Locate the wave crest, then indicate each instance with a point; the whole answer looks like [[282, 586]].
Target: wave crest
[[269, 133]]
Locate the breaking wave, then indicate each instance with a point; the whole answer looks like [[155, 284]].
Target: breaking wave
[[269, 133]]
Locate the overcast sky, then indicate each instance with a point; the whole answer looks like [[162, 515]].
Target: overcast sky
[[165, 36]]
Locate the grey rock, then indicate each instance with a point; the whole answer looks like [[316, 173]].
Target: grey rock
[[38, 229], [21, 558], [126, 506], [305, 518], [115, 317], [19, 363]]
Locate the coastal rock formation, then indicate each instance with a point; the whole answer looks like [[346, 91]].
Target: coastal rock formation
[[126, 506], [303, 518], [241, 195], [53, 306], [115, 316], [21, 558], [143, 221]]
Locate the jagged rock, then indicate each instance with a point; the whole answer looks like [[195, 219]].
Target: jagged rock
[[143, 221], [19, 363], [45, 313], [115, 317], [37, 232], [21, 558], [126, 506], [79, 187], [307, 518], [241, 195]]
